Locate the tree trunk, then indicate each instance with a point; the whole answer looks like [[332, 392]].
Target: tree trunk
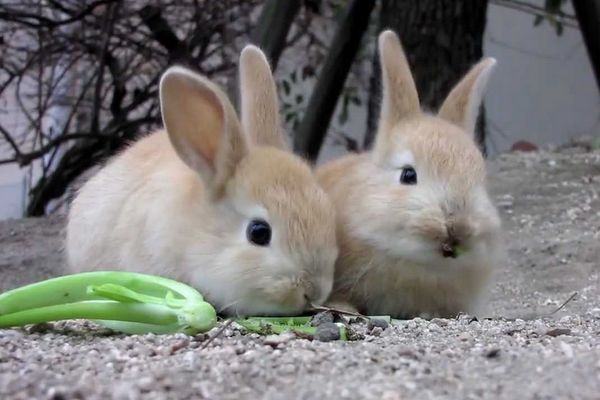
[[344, 46], [273, 25], [588, 15], [442, 40]]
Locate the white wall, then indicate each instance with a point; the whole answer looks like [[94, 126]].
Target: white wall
[[543, 89]]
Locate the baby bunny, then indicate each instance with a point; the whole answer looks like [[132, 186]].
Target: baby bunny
[[417, 232], [211, 201]]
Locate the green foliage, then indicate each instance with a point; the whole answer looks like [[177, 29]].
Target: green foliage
[[553, 14]]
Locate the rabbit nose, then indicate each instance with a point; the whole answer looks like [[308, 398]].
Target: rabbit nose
[[448, 250], [449, 246]]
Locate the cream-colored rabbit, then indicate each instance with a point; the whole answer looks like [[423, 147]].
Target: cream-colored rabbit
[[213, 202], [418, 234]]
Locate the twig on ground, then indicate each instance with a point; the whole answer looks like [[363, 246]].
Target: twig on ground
[[335, 310], [217, 334], [571, 298]]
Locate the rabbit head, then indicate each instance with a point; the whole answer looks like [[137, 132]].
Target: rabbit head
[[273, 226], [422, 197]]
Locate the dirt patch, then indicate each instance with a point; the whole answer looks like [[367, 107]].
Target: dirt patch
[[551, 210]]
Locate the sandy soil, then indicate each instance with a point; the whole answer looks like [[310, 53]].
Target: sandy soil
[[550, 205]]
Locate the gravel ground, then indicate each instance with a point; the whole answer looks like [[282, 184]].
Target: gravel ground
[[551, 209]]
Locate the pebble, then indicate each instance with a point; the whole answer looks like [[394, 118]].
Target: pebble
[[322, 318], [376, 331], [567, 349], [464, 336], [287, 369], [327, 332], [558, 332], [440, 322], [275, 340], [492, 353], [377, 323]]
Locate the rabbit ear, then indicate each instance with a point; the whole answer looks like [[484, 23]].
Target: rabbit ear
[[461, 107], [202, 125], [260, 106], [400, 97]]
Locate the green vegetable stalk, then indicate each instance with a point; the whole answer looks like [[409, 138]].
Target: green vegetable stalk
[[124, 301], [277, 325]]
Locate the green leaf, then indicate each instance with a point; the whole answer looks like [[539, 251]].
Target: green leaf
[[286, 87]]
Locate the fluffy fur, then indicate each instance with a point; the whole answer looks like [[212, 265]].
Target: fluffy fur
[[391, 235], [177, 202]]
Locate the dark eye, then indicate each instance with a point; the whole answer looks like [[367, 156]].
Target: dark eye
[[259, 232], [408, 176]]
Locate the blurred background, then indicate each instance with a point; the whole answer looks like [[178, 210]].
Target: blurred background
[[79, 78]]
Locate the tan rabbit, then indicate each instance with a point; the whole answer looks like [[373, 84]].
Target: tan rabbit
[[418, 234], [213, 202]]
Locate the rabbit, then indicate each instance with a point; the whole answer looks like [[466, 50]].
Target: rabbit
[[417, 231], [212, 201]]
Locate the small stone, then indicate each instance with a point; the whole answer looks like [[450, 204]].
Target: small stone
[[42, 327], [377, 323], [288, 369], [352, 335], [327, 332], [464, 336], [322, 318], [181, 344], [376, 331], [567, 349], [558, 332], [492, 353], [524, 146], [145, 383], [391, 396], [276, 340], [55, 394], [440, 322]]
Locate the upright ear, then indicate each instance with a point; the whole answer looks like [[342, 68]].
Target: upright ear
[[260, 107], [202, 125], [461, 107], [400, 97]]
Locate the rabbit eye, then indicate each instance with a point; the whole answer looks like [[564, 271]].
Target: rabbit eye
[[408, 176], [259, 232]]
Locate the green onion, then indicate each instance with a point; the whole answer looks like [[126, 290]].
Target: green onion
[[124, 301], [278, 325]]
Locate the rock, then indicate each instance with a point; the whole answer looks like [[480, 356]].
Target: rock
[[376, 331], [327, 332], [322, 318], [492, 353], [558, 332], [42, 327], [276, 340], [377, 323], [439, 322], [524, 146], [181, 344]]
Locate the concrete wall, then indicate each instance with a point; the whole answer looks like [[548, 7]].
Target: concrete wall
[[543, 89]]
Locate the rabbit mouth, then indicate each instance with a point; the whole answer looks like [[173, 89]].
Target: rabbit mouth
[[448, 250]]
